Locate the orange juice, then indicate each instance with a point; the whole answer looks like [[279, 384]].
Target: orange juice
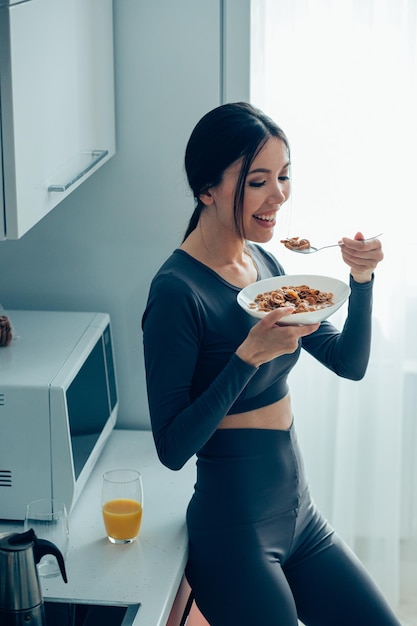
[[122, 518]]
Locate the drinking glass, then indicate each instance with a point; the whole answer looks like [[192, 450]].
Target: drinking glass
[[122, 504], [49, 520]]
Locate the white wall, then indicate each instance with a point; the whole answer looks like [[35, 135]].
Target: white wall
[[99, 249]]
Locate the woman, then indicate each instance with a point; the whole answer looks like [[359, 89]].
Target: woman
[[260, 553]]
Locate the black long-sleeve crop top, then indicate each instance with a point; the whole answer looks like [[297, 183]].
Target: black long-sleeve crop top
[[192, 327]]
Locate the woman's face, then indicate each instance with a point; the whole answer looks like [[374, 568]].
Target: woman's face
[[267, 187]]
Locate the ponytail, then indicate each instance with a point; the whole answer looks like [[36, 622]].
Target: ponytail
[[192, 224]]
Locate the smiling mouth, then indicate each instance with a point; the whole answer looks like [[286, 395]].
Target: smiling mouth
[[265, 218]]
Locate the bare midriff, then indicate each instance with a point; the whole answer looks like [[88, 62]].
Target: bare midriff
[[276, 416]]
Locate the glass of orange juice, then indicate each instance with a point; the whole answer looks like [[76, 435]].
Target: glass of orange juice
[[122, 504]]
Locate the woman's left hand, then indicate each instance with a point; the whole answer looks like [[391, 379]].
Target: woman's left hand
[[361, 256]]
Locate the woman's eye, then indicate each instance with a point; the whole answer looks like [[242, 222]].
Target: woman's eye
[[283, 178], [256, 184]]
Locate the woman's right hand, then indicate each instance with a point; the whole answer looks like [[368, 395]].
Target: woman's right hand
[[267, 339]]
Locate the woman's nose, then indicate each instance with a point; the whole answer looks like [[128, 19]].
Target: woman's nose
[[278, 195]]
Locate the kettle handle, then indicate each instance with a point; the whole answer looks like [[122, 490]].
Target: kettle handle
[[40, 548]]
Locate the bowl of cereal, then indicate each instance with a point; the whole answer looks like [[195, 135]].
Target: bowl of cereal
[[312, 298]]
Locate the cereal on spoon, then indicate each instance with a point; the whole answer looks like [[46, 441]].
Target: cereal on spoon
[[295, 243]]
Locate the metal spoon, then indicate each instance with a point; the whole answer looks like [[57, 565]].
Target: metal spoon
[[312, 249]]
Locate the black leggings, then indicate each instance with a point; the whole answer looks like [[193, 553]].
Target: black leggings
[[260, 553]]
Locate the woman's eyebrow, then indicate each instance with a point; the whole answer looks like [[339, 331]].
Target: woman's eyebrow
[[258, 170], [264, 170]]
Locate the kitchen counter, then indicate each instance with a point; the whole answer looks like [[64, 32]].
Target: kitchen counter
[[148, 571]]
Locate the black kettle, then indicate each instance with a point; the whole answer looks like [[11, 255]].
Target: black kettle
[[21, 600]]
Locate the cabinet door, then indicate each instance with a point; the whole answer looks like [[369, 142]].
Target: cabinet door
[[57, 102]]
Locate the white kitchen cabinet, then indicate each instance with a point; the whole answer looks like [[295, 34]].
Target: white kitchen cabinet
[[57, 103]]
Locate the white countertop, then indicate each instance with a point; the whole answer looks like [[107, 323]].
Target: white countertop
[[148, 571]]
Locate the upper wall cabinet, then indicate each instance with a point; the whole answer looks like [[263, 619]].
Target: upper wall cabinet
[[57, 103]]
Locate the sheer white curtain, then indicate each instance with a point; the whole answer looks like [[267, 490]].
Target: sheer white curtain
[[340, 77]]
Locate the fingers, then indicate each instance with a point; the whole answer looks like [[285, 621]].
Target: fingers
[[360, 244], [359, 236], [272, 318], [283, 337], [361, 256], [268, 339], [362, 252]]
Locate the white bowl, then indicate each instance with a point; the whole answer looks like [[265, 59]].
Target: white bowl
[[338, 288]]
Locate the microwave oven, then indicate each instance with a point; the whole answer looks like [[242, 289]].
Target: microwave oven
[[58, 405]]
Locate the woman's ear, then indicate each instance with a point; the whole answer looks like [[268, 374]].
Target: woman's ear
[[206, 197]]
